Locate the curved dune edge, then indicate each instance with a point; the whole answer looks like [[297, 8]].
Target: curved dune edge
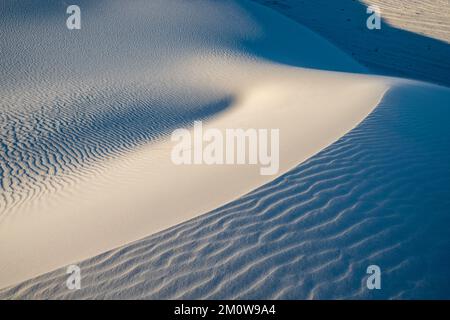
[[379, 195], [138, 195], [140, 191], [413, 42]]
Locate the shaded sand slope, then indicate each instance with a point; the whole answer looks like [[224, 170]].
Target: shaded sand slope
[[414, 41], [85, 161], [73, 99], [379, 195]]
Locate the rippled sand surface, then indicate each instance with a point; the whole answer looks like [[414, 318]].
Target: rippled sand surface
[[84, 149]]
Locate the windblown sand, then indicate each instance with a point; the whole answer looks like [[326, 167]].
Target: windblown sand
[[85, 164]]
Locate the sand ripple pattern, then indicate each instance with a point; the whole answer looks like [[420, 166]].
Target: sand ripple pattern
[[380, 195], [45, 149]]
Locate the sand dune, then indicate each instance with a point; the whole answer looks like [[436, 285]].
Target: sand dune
[[85, 165], [310, 233], [412, 43], [86, 161]]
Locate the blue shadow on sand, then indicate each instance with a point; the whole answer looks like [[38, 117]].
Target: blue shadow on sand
[[390, 51]]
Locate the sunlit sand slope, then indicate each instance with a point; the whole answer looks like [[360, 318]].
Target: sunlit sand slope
[[379, 195]]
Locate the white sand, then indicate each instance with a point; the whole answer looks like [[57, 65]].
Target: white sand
[[141, 191], [380, 195], [121, 186], [413, 41]]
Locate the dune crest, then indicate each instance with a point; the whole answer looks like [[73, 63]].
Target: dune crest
[[86, 164]]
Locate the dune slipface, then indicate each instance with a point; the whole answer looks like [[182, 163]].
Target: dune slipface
[[413, 41], [86, 174], [379, 195], [86, 163]]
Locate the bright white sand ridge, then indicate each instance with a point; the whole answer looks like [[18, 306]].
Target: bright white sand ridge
[[85, 159], [86, 175]]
